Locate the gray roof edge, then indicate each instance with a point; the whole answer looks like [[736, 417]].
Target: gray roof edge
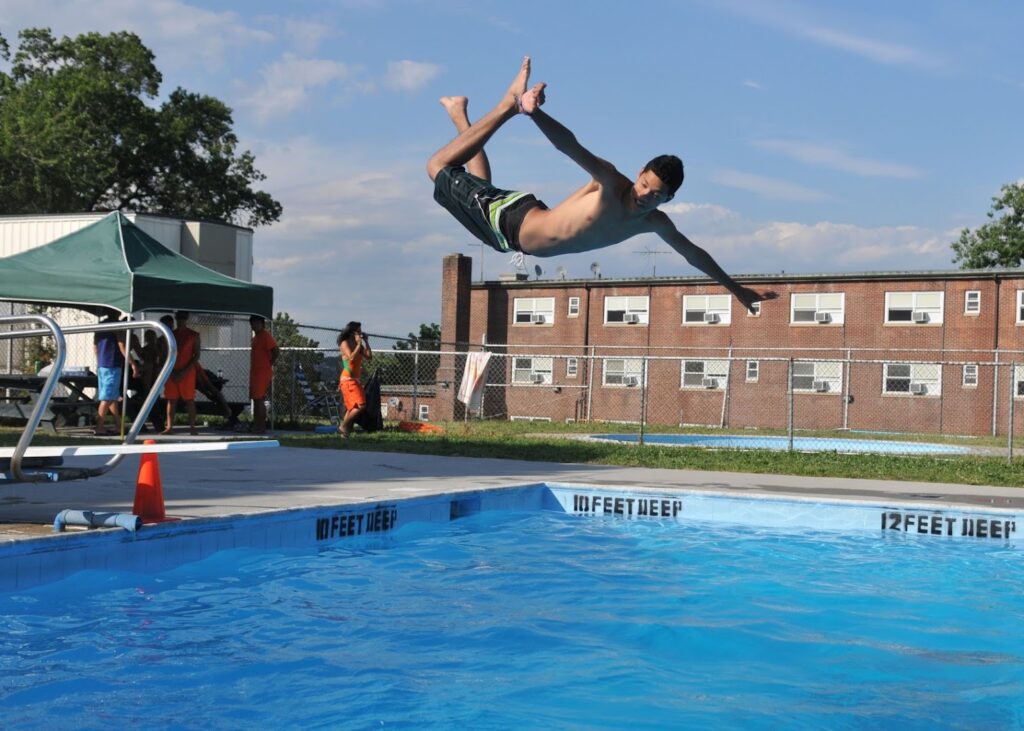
[[924, 275]]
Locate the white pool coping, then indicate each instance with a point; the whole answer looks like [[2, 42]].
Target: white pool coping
[[282, 498]]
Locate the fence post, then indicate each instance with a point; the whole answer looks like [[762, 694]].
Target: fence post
[[292, 407], [1009, 428], [789, 391], [415, 378], [643, 400], [591, 364], [995, 395], [846, 392]]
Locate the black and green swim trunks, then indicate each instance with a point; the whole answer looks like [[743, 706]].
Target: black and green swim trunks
[[491, 214]]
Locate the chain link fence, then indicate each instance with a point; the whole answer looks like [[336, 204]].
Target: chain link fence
[[889, 401]]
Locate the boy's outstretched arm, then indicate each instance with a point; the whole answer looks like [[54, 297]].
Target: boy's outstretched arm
[[563, 140], [698, 257]]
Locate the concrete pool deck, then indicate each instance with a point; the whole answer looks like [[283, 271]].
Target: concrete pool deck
[[267, 480]]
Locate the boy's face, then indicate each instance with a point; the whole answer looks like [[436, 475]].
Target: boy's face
[[649, 191]]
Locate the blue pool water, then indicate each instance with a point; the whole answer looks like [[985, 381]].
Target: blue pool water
[[534, 620], [802, 444]]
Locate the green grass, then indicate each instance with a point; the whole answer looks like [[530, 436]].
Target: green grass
[[551, 442], [541, 442]]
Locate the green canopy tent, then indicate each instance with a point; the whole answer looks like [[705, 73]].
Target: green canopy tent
[[114, 263]]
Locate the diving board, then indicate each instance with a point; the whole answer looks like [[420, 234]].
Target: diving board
[[107, 450]]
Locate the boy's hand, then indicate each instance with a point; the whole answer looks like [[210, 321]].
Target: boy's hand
[[532, 100]]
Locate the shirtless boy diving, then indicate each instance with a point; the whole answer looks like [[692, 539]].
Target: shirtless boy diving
[[609, 209]]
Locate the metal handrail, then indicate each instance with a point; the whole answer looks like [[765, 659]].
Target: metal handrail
[[44, 394], [54, 377]]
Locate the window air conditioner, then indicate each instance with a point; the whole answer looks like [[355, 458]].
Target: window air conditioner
[[711, 318], [537, 378], [537, 319], [631, 318], [822, 317], [710, 383], [631, 380], [820, 386], [918, 389], [920, 317]]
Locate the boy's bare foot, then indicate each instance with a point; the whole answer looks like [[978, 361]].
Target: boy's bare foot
[[518, 87], [166, 431], [455, 106]]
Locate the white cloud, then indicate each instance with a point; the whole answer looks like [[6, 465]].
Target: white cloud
[[770, 246], [793, 19], [766, 187], [836, 158], [750, 84], [180, 33], [409, 75], [287, 84]]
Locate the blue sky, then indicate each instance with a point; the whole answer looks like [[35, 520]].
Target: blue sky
[[817, 136]]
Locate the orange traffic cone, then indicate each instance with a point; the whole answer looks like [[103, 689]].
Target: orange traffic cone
[[149, 490]]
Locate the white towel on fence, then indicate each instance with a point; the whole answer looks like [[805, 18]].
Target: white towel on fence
[[472, 389]]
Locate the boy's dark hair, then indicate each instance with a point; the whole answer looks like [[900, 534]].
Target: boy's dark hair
[[352, 327], [669, 170]]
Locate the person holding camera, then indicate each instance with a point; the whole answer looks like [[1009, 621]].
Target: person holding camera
[[353, 348]]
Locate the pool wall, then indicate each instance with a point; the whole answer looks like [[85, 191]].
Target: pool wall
[[155, 548]]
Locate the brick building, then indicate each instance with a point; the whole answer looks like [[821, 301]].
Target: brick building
[[904, 351]]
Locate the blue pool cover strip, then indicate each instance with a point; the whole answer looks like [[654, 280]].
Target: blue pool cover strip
[[802, 444]]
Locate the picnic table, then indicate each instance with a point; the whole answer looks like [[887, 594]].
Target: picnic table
[[19, 394]]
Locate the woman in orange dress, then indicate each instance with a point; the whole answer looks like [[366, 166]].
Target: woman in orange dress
[[353, 348]]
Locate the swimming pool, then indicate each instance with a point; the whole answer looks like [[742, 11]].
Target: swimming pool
[[539, 619], [801, 444]]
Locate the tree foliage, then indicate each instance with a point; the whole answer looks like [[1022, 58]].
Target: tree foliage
[[420, 369], [999, 243], [80, 131]]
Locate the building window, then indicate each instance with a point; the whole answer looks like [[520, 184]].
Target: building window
[[529, 418], [970, 375], [384, 411], [753, 371], [826, 308], [708, 374], [571, 367], [531, 370], [972, 302], [622, 372], [424, 412], [574, 307], [625, 310], [818, 376], [916, 379], [534, 310], [1020, 306], [707, 309], [755, 309], [913, 307], [1018, 381]]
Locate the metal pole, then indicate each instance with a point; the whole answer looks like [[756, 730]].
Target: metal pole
[[416, 378], [1009, 428], [643, 400], [995, 395], [846, 392], [789, 390], [291, 408], [590, 383]]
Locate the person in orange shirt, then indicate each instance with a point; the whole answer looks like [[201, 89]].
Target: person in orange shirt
[[181, 386], [261, 371], [353, 347]]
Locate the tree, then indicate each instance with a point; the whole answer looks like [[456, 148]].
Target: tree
[[79, 131], [999, 243], [425, 366]]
